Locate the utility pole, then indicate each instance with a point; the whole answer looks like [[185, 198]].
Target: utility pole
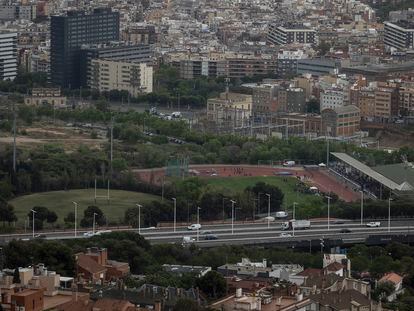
[[175, 212], [112, 142], [268, 211], [329, 209], [327, 152], [14, 138], [139, 217], [362, 206], [76, 216], [93, 225], [33, 222], [232, 216], [198, 222], [389, 214]]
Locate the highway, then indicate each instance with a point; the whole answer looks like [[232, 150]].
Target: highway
[[249, 233]]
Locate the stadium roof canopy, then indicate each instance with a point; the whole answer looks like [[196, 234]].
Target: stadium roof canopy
[[404, 186], [400, 173]]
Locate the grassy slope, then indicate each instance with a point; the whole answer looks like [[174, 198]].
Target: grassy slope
[[240, 183], [61, 202]]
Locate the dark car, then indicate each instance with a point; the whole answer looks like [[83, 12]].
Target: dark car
[[345, 231], [211, 237]]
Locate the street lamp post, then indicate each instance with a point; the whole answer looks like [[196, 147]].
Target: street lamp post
[[232, 216], [389, 214], [76, 216], [175, 212], [268, 211], [198, 222], [93, 225], [362, 206], [329, 211], [139, 217], [294, 209], [33, 222]]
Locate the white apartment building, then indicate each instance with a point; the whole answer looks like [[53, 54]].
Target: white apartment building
[[8, 55], [107, 75], [332, 98]]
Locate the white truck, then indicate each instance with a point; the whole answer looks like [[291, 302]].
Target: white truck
[[297, 224], [289, 163], [374, 224], [281, 214], [188, 240]]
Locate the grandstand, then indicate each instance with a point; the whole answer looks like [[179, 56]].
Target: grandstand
[[378, 182]]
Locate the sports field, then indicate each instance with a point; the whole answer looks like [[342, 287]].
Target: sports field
[[61, 202], [287, 186]]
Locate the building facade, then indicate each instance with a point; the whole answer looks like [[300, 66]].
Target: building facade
[[291, 33], [46, 96], [341, 122], [332, 98], [107, 75], [136, 53], [69, 32], [399, 35], [8, 55]]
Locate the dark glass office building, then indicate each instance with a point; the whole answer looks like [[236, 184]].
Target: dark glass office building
[[69, 32]]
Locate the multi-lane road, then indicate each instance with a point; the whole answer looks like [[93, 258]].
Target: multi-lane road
[[250, 233]]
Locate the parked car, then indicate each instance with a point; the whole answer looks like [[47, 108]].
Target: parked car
[[194, 227], [345, 230], [373, 224]]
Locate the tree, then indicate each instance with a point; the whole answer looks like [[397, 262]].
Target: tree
[[51, 217], [87, 220], [383, 290], [212, 284], [16, 276], [70, 218], [276, 195], [6, 212]]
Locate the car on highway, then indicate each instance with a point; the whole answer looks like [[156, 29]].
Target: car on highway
[[269, 218], [338, 222], [40, 236], [345, 230], [285, 235], [207, 232], [211, 237], [194, 227], [188, 240], [373, 224], [102, 232], [88, 234]]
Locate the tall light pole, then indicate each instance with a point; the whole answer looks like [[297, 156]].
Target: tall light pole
[[268, 210], [198, 222], [76, 217], [329, 211], [93, 225], [33, 221], [139, 217], [232, 216], [294, 210], [294, 219], [362, 206], [175, 212], [389, 214]]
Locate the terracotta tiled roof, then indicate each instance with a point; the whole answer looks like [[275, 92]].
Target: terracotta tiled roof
[[311, 272], [341, 300], [335, 266], [104, 304], [391, 277], [88, 264]]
